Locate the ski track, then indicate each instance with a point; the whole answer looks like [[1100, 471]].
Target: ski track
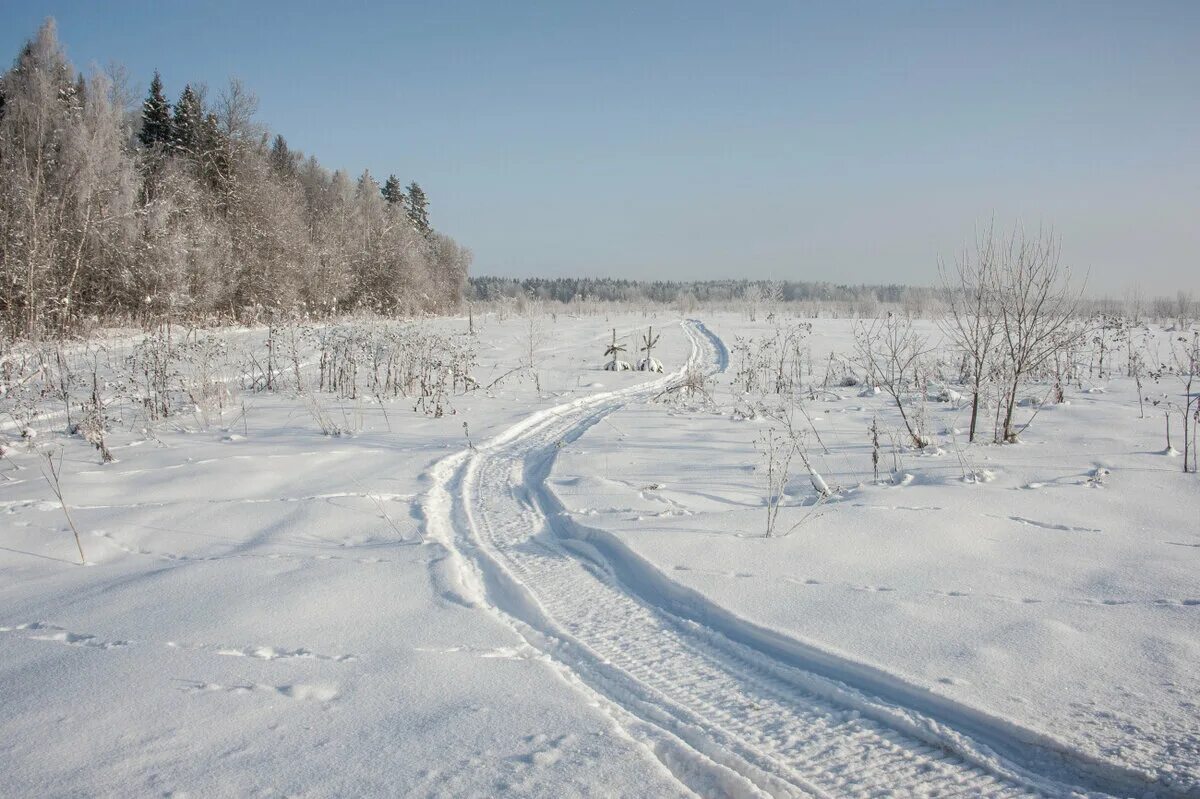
[[731, 709]]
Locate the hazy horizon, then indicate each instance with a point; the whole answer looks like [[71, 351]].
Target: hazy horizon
[[699, 141]]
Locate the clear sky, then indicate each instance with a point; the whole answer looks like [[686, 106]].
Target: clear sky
[[853, 142]]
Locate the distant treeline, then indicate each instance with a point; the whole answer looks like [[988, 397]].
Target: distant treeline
[[570, 289], [860, 300]]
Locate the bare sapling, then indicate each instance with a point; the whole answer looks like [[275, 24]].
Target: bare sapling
[[1183, 308], [1184, 366], [1064, 363], [753, 299], [269, 377], [775, 452], [874, 430], [1186, 355], [295, 345], [889, 350], [533, 341], [1167, 406], [66, 377], [1036, 304], [971, 322], [896, 461], [1136, 362], [53, 475], [1195, 452]]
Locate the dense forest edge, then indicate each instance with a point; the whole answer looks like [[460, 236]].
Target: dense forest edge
[[116, 212]]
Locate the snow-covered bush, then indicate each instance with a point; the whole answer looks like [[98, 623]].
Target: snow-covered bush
[[890, 351], [650, 365], [390, 361], [780, 441]]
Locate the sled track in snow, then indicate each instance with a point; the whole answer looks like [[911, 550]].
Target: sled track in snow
[[731, 709]]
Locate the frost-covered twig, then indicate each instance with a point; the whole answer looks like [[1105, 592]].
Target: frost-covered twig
[[54, 478]]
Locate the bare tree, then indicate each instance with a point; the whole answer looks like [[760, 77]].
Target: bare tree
[[753, 298], [1183, 309], [534, 338], [1036, 304], [40, 101], [772, 296], [1184, 366], [971, 321]]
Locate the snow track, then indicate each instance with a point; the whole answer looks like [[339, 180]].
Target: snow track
[[729, 708]]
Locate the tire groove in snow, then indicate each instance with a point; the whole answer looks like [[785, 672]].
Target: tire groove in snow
[[725, 717]]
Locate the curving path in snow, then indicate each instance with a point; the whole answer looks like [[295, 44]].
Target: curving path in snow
[[730, 708]]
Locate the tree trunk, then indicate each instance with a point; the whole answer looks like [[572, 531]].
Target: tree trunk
[[1008, 436]]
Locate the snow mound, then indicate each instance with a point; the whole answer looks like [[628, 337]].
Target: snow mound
[[650, 365]]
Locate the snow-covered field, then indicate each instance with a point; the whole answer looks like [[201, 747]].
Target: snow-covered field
[[562, 588]]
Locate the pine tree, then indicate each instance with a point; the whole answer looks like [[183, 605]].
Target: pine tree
[[394, 194], [418, 209], [281, 158], [156, 117], [187, 124], [80, 90]]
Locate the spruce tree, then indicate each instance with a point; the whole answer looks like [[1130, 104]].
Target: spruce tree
[[156, 117], [187, 124], [80, 90], [281, 157], [418, 209], [393, 193]]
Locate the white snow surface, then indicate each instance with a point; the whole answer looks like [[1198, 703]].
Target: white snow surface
[[581, 601], [251, 625]]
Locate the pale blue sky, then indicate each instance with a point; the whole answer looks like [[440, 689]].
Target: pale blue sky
[[853, 142]]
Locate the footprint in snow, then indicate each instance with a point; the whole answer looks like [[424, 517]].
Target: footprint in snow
[[1048, 525], [270, 653], [262, 652], [319, 692], [545, 752], [714, 572], [51, 632], [498, 653]]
